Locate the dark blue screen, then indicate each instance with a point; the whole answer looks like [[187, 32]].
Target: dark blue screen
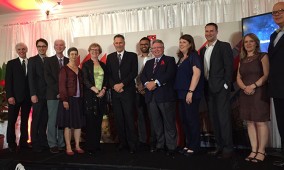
[[262, 26]]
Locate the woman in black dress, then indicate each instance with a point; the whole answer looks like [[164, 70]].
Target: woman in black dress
[[70, 114], [254, 101], [95, 84]]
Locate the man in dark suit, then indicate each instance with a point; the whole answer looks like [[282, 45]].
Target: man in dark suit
[[122, 66], [17, 93], [158, 77], [52, 66], [38, 97], [276, 72], [218, 71]]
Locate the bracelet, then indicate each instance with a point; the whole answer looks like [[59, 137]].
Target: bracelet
[[190, 91], [256, 86]]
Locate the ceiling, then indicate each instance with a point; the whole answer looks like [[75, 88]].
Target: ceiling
[[13, 6]]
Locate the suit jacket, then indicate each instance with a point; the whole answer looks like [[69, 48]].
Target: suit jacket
[[221, 66], [165, 72], [128, 70], [37, 82], [276, 71], [17, 85], [51, 74]]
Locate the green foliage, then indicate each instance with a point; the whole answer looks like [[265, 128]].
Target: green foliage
[[3, 101]]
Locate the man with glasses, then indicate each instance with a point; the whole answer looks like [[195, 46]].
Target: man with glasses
[[276, 72], [142, 113], [158, 78], [17, 94], [38, 97]]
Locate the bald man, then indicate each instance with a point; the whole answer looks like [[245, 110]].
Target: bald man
[[17, 93], [276, 82]]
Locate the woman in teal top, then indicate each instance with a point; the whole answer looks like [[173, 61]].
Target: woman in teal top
[[95, 84]]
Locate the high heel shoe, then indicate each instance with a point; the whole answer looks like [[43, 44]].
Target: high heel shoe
[[70, 153], [182, 151], [257, 160], [80, 151], [249, 158]]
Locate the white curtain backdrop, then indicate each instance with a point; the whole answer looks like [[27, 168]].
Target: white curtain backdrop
[[164, 16]]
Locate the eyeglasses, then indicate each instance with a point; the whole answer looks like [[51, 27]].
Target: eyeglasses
[[154, 48], [43, 46], [94, 49], [278, 12]]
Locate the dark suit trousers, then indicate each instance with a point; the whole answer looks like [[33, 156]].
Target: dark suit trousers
[[279, 112], [13, 112], [190, 119], [164, 123], [220, 116], [123, 108], [143, 120], [93, 130], [39, 124]]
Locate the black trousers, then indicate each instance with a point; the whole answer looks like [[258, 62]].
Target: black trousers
[[39, 124], [123, 109], [279, 112], [189, 114], [219, 110], [13, 112]]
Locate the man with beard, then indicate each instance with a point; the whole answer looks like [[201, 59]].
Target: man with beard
[[141, 108]]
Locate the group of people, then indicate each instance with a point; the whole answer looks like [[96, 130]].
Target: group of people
[[65, 97]]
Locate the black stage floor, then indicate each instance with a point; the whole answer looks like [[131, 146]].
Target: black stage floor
[[110, 159]]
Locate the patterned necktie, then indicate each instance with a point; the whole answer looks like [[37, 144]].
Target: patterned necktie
[[24, 66], [155, 64], [60, 62], [119, 62]]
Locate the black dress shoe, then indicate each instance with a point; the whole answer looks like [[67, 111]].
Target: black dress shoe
[[132, 151], [215, 152], [12, 147], [25, 146], [37, 150], [278, 163], [170, 153], [152, 149], [91, 152], [225, 155], [54, 150]]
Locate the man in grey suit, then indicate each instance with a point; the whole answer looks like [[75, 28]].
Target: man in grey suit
[[276, 72], [52, 67], [218, 71], [38, 96]]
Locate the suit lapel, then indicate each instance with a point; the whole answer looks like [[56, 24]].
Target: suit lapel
[[279, 43], [214, 51]]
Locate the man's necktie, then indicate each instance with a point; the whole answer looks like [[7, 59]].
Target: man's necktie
[[24, 66], [60, 62], [119, 62], [155, 64]]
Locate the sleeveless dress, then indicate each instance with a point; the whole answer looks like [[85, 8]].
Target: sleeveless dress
[[254, 107]]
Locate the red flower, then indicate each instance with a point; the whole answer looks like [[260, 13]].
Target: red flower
[[162, 63], [2, 83]]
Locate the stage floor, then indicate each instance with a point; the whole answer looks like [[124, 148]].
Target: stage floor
[[109, 159]]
